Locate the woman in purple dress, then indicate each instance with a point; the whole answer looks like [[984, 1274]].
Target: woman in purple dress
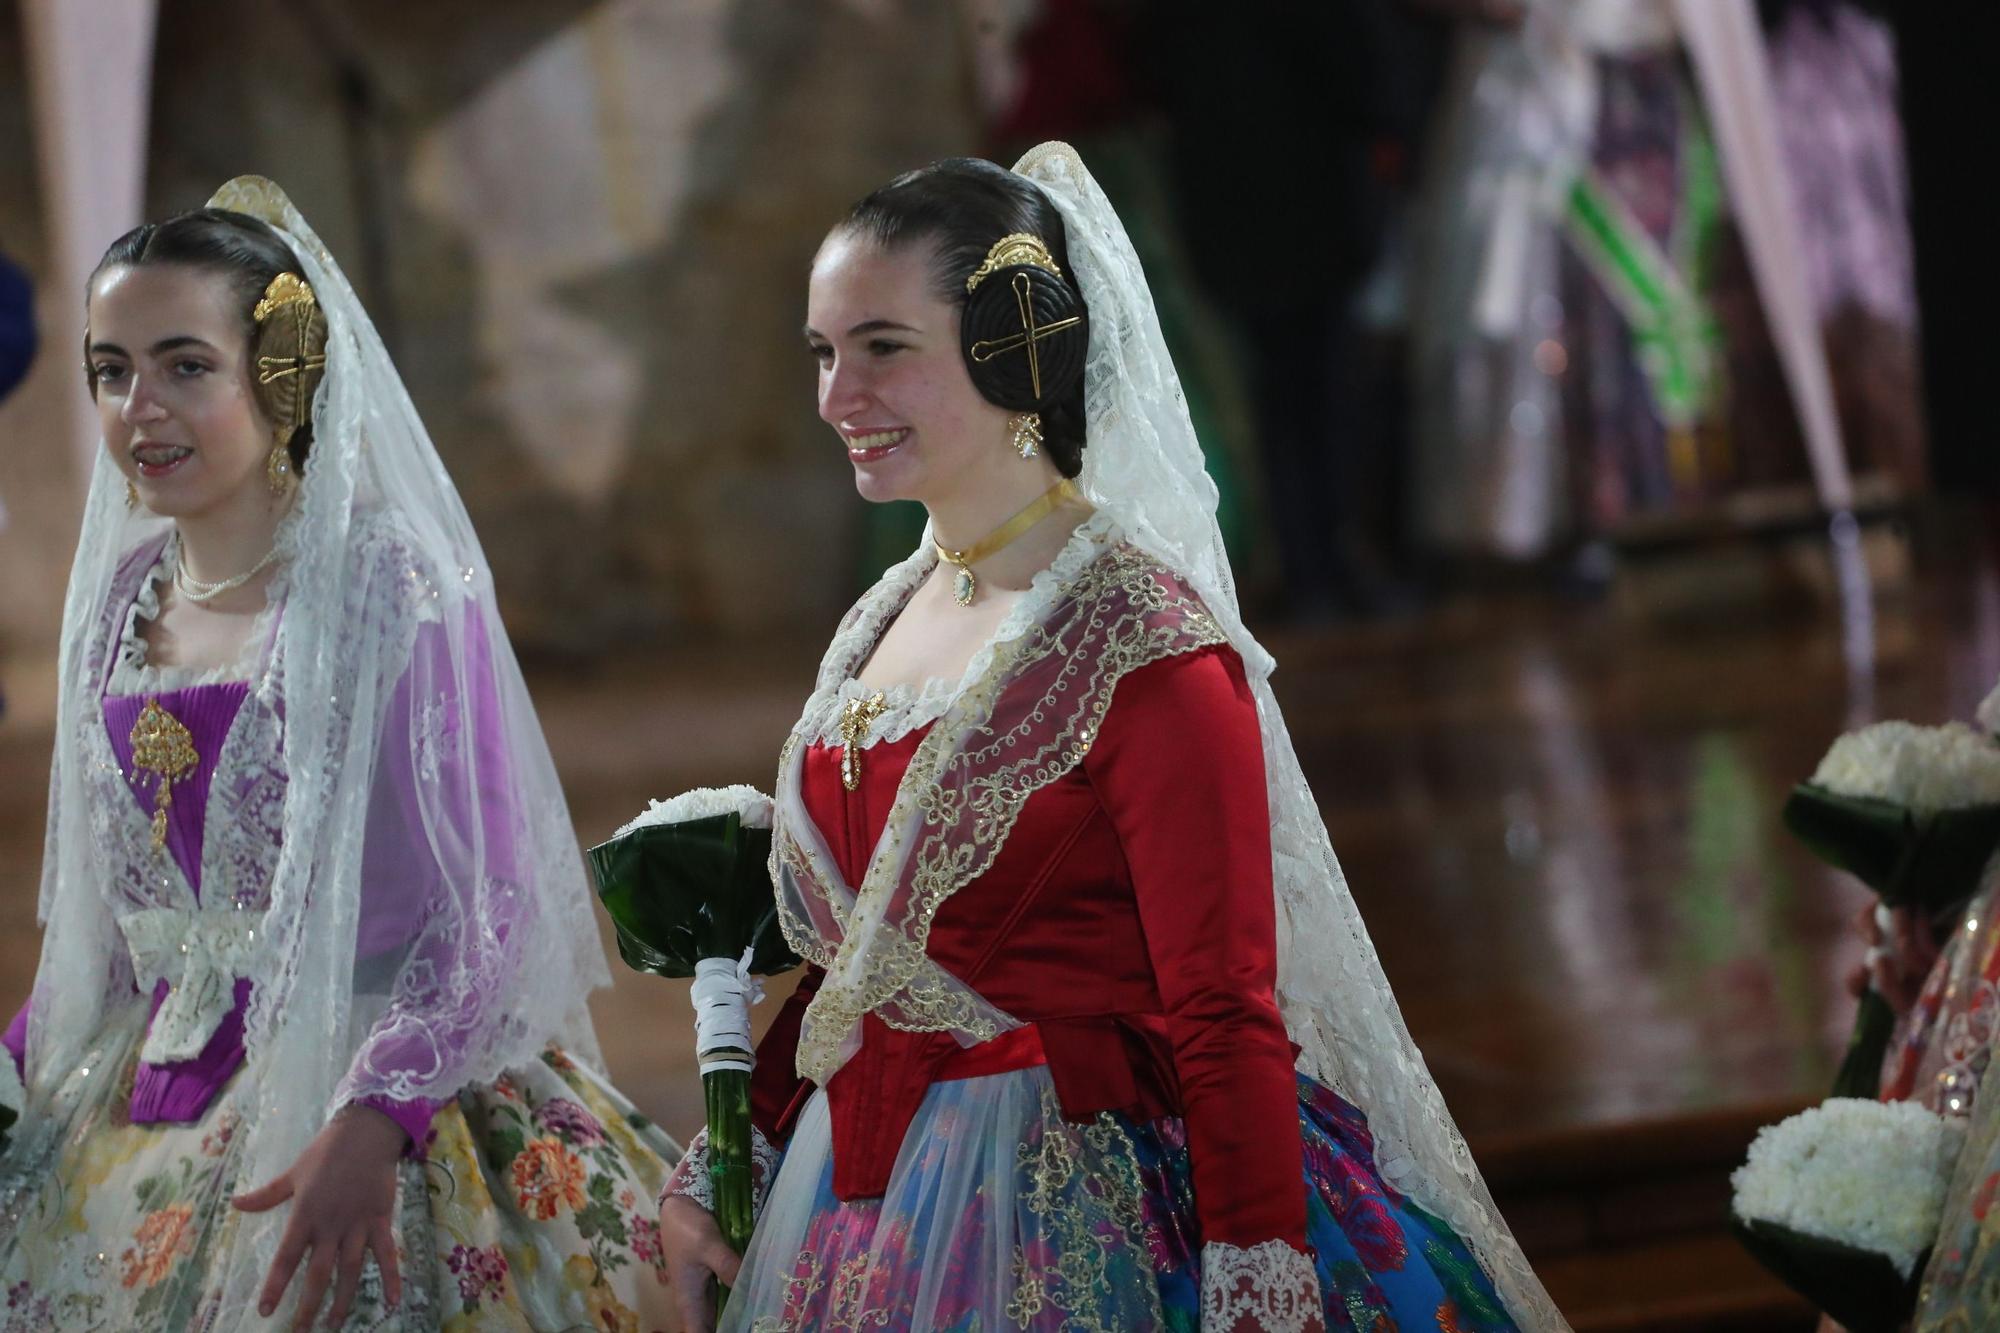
[[308, 1038]]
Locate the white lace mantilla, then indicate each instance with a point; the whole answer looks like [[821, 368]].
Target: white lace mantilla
[[1268, 1288], [199, 954]]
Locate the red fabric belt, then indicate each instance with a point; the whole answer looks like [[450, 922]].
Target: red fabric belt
[[1020, 1048]]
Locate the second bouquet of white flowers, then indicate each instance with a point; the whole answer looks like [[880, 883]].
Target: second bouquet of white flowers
[[1912, 812], [1843, 1202]]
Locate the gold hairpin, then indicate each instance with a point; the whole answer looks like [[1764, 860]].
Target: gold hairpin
[[1030, 335]]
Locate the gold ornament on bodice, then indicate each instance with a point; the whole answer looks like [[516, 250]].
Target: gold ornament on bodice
[[855, 719], [162, 745]]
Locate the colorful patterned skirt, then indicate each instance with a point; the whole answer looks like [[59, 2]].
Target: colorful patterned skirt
[[532, 1210], [1000, 1214]]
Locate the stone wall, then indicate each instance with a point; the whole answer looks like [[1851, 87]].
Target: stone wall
[[584, 230]]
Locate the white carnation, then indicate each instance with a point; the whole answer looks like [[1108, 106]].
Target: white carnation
[[1989, 712], [1864, 1173], [1924, 768], [706, 803]]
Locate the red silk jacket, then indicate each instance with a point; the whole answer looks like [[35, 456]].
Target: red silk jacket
[[1129, 918]]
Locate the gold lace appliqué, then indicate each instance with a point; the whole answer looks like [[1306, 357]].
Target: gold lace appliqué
[[847, 1308], [1083, 1183], [1081, 1263]]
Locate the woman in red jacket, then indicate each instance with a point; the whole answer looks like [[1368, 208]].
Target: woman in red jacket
[[1042, 839]]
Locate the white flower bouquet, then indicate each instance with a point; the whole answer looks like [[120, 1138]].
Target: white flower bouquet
[[1923, 769], [1914, 813], [748, 804], [688, 885], [1843, 1203]]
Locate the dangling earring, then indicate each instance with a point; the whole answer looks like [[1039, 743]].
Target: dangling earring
[[1027, 436], [278, 468], [131, 494]]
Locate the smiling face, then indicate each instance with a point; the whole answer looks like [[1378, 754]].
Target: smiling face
[[169, 356], [891, 379]]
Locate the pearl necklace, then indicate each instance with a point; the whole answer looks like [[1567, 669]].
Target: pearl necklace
[[195, 590]]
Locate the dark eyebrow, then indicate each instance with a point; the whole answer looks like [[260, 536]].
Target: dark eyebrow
[[162, 346], [866, 326], [182, 340]]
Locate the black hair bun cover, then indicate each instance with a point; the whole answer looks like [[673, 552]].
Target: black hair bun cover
[[992, 322]]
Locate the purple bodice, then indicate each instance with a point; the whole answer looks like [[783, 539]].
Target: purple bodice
[[207, 711], [393, 894]]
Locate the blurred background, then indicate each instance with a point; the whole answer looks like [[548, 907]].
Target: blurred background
[[1587, 383]]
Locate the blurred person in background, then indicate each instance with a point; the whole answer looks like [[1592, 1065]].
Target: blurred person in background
[[1591, 351]]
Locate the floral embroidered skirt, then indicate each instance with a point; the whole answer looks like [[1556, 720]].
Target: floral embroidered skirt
[[1000, 1214], [533, 1210]]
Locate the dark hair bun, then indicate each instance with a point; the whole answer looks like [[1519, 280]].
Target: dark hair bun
[[1024, 333]]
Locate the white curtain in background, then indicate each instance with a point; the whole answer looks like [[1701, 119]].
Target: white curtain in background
[[1726, 46]]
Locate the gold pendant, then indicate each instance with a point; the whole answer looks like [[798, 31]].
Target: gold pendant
[[855, 719], [964, 587], [162, 745]]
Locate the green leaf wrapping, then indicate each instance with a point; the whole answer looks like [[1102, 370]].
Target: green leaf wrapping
[[1861, 1289], [679, 893], [1861, 1068], [1931, 862]]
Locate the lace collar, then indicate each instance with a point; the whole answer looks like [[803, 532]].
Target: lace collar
[[133, 673], [910, 707], [907, 709]]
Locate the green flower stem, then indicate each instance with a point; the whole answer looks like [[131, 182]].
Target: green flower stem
[[727, 1092]]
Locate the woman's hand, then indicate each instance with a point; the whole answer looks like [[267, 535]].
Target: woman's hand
[[1898, 959], [343, 1193], [695, 1252]]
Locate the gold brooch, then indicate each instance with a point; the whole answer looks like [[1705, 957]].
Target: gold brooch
[[162, 745], [855, 719]]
